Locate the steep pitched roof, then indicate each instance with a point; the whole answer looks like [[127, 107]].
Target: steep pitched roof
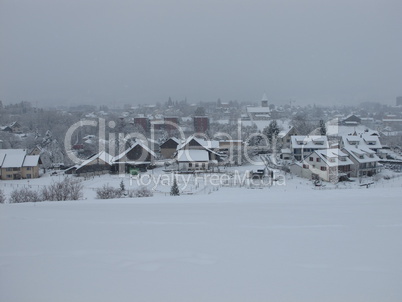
[[362, 154], [309, 142], [334, 157], [120, 156]]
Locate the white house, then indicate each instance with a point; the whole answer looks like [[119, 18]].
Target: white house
[[328, 165], [365, 161], [301, 146], [197, 154]]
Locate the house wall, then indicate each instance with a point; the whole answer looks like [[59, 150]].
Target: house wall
[[168, 152], [359, 169], [315, 164], [30, 172], [193, 166], [10, 173]]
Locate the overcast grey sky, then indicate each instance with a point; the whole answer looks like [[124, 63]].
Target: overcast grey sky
[[75, 51]]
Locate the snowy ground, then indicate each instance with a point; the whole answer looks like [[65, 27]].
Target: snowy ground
[[284, 243]]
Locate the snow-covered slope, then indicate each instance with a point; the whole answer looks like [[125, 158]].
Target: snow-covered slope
[[233, 245]]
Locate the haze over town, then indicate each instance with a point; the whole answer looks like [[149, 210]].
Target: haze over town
[[142, 52]]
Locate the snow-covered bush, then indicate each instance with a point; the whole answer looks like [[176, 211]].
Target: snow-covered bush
[[67, 189], [2, 197], [108, 192], [143, 192], [24, 195]]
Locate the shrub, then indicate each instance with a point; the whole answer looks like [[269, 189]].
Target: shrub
[[2, 197], [108, 192], [143, 192], [67, 189], [24, 195]]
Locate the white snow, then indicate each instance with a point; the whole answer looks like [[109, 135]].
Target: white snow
[[284, 243], [31, 160], [192, 155]]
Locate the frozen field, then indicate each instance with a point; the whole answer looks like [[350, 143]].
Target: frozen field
[[232, 245]]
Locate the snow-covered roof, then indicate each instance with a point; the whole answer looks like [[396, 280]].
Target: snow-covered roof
[[104, 156], [2, 156], [361, 154], [283, 133], [31, 161], [334, 157], [120, 156], [13, 151], [308, 142], [192, 155], [202, 142], [334, 129], [258, 110], [363, 140], [13, 160]]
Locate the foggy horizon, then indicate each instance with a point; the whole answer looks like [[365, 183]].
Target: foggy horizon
[[143, 52]]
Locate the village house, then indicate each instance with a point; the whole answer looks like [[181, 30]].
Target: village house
[[137, 156], [330, 165], [365, 161], [197, 154], [16, 164], [301, 146], [169, 147], [14, 127], [193, 160], [284, 137], [100, 163]]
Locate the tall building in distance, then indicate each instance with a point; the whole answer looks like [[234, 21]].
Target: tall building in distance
[[399, 100], [201, 124], [142, 122], [171, 123]]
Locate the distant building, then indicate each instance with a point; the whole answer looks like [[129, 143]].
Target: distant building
[[262, 112], [399, 101], [169, 147], [171, 123], [14, 127], [16, 164], [142, 122], [351, 120], [201, 124], [301, 146]]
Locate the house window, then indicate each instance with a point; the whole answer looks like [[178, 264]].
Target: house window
[[318, 160], [203, 165], [311, 159], [305, 166], [16, 169], [28, 168], [323, 168], [9, 176], [190, 165], [196, 165], [9, 169], [29, 176]]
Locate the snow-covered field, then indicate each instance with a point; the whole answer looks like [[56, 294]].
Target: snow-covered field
[[288, 243]]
